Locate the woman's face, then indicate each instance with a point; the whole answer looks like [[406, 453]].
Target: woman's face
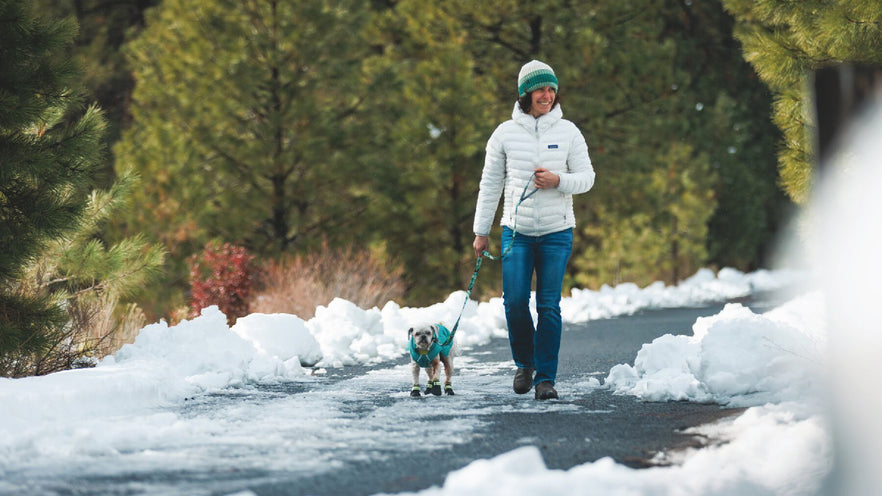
[[543, 99]]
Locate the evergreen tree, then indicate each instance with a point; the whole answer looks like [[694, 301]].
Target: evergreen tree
[[47, 156], [243, 124], [430, 145], [785, 41], [93, 283], [60, 288], [103, 29]]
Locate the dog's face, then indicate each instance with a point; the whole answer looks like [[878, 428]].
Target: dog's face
[[423, 336]]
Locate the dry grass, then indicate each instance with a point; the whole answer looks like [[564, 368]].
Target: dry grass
[[298, 284], [97, 327]]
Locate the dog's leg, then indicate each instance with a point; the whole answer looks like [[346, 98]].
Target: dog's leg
[[415, 372], [448, 374], [434, 371]]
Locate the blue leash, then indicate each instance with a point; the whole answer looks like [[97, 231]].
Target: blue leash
[[487, 254]]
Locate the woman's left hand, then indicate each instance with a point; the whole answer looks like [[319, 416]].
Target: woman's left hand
[[545, 179]]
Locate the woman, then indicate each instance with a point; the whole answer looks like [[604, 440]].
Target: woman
[[538, 149]]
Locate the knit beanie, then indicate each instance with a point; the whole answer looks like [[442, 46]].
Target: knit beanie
[[534, 75]]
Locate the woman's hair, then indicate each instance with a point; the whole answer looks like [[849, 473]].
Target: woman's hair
[[526, 101]]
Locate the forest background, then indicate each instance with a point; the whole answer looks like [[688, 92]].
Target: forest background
[[264, 143]]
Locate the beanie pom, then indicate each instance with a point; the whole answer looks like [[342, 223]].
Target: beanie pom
[[534, 75]]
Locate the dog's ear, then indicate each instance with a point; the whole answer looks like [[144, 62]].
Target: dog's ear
[[434, 332], [410, 332]]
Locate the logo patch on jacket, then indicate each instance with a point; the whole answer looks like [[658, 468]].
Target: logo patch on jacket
[[552, 146]]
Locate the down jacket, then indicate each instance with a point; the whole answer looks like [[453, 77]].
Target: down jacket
[[515, 149]]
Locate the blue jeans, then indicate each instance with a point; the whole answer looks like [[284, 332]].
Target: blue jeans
[[535, 347]]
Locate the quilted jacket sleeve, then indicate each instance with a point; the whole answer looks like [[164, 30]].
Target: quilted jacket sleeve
[[580, 175], [492, 184]]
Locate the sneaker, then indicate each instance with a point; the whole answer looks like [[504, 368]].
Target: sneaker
[[523, 380], [545, 391], [448, 389], [436, 388], [415, 391]]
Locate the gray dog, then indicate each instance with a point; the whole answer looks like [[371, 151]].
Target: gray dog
[[427, 350]]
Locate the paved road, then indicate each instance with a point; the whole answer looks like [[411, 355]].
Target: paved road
[[577, 429], [356, 431]]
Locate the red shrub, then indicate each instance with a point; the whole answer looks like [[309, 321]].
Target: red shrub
[[221, 275]]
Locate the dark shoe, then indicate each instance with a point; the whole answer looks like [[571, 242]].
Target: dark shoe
[[545, 391], [415, 392], [436, 388], [448, 389], [523, 380]]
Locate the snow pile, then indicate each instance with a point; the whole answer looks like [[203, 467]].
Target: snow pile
[[207, 354], [735, 357], [349, 335], [703, 287]]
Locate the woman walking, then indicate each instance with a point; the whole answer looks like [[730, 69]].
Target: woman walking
[[538, 149]]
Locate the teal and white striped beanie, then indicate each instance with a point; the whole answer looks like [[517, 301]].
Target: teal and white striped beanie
[[534, 75]]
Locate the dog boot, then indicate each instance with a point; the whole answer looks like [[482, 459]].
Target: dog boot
[[436, 388], [448, 389], [415, 391]]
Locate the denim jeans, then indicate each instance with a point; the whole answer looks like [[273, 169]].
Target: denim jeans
[[535, 347]]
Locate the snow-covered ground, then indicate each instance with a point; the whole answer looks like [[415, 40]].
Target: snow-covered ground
[[150, 405]]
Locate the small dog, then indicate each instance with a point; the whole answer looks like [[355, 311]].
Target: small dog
[[427, 352]]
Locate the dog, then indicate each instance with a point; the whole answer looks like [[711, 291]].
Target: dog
[[427, 352]]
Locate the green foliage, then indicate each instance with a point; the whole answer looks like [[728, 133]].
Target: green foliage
[[785, 41], [45, 162], [244, 125], [103, 28], [431, 144], [91, 282], [55, 275]]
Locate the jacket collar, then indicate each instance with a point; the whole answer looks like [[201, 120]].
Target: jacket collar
[[530, 122]]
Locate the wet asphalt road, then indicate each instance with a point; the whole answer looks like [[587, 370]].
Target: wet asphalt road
[[600, 425], [366, 441]]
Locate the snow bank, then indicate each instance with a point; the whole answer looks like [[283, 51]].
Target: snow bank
[[735, 357], [349, 335], [702, 288]]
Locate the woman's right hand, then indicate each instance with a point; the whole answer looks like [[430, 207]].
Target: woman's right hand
[[481, 244]]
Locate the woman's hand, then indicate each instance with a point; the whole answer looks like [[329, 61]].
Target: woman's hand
[[545, 179], [481, 244]]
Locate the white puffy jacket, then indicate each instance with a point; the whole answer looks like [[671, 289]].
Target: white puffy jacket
[[515, 149]]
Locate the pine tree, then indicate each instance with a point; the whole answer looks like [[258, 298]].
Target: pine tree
[[93, 283], [243, 123], [432, 142], [103, 29], [62, 290], [787, 40], [47, 156]]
